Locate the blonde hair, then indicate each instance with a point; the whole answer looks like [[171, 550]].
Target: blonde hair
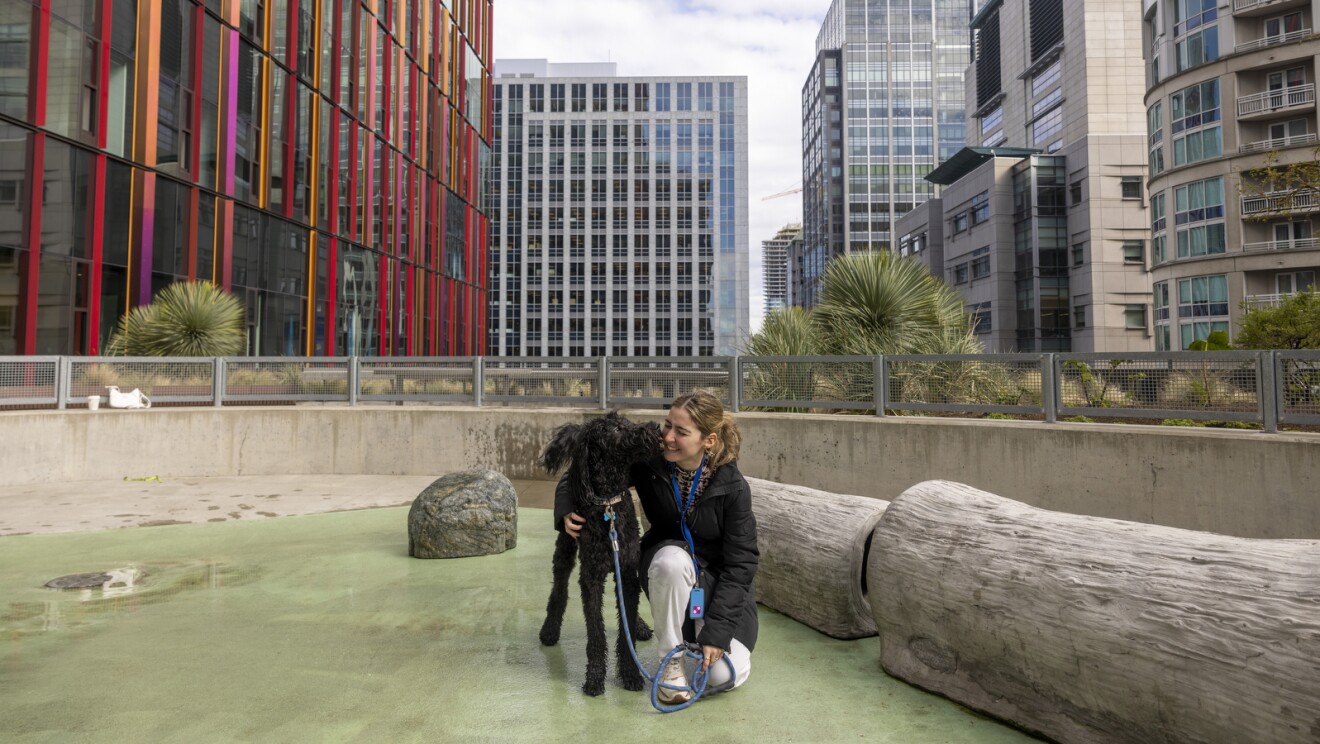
[[710, 417]]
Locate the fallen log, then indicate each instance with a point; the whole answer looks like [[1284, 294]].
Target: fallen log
[[813, 547], [1098, 630]]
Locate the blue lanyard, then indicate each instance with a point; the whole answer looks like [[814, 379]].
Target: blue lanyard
[[683, 508]]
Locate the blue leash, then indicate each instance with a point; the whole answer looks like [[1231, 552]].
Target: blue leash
[[697, 685]]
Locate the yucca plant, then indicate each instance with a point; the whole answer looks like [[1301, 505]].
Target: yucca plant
[[184, 319]]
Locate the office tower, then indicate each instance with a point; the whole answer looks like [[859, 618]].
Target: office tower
[[882, 106], [1230, 88], [317, 159], [619, 213], [775, 269], [1042, 221]]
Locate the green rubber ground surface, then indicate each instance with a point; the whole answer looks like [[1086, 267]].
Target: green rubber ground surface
[[321, 629]]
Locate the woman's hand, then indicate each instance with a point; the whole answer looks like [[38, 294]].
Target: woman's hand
[[573, 524], [710, 655]]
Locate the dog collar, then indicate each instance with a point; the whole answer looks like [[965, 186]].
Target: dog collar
[[610, 502]]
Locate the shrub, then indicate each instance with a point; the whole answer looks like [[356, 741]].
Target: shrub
[[1181, 422], [1080, 420], [997, 416]]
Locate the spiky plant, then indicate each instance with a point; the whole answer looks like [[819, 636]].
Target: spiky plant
[[185, 319]]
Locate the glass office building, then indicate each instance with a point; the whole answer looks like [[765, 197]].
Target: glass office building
[[320, 159], [882, 106]]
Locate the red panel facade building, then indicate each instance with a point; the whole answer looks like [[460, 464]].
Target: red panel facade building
[[323, 160]]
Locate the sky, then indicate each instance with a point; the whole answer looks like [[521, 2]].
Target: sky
[[771, 42]]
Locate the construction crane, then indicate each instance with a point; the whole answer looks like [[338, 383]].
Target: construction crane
[[782, 193]]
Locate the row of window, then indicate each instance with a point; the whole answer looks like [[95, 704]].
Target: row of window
[[641, 96]]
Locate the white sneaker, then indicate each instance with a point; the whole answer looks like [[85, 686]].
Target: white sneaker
[[674, 675]]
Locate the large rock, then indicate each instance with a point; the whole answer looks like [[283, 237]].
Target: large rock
[[1096, 631], [474, 512]]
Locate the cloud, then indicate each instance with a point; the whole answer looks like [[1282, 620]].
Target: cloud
[[771, 42]]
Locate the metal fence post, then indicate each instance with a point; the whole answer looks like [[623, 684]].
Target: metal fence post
[[1271, 386], [735, 378], [880, 379], [218, 382], [354, 378], [478, 379], [603, 381], [63, 382], [1049, 389]]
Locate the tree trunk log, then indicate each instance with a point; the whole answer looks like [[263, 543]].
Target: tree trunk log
[[813, 548], [1098, 630]]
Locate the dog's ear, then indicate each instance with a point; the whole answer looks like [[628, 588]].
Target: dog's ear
[[561, 447]]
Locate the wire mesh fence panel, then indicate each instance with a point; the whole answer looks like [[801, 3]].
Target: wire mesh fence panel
[[416, 378], [571, 380], [817, 384], [973, 383], [29, 381], [271, 379], [658, 380], [1200, 386], [1298, 381], [162, 380]]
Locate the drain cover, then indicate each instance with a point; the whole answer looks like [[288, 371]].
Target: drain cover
[[80, 581]]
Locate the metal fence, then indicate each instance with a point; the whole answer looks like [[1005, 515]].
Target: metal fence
[[1260, 388]]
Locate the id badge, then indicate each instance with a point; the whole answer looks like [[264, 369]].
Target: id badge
[[697, 603]]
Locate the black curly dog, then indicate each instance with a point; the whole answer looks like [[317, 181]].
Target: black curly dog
[[599, 454]]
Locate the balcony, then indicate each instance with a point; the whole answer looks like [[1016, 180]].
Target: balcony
[[1277, 100], [1280, 202], [1270, 41], [1263, 301], [1280, 143], [1247, 8], [1296, 244]]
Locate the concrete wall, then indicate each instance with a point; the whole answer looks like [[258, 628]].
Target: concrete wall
[[1237, 483]]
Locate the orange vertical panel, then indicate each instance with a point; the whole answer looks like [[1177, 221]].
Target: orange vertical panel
[[146, 86]]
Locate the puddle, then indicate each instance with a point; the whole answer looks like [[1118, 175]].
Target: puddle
[[123, 590]]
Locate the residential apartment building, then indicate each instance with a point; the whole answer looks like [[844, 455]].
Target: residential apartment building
[[1043, 220], [1231, 88], [882, 106], [319, 160], [619, 213], [775, 268]]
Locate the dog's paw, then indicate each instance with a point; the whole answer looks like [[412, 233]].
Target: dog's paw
[[593, 688], [549, 636], [643, 631], [632, 682]]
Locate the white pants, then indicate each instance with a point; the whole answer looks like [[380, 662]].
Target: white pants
[[671, 580]]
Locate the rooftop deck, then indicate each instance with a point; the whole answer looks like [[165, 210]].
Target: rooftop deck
[[319, 627]]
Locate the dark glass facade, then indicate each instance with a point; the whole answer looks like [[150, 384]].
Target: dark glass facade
[[323, 160]]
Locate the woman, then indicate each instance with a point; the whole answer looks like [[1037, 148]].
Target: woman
[[696, 473]]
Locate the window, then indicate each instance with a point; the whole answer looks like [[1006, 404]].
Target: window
[[959, 222], [1134, 252], [980, 319], [981, 208], [1158, 244], [1079, 316], [1199, 215], [992, 121], [1075, 192], [1130, 187], [1198, 48], [1202, 307], [1155, 137], [1046, 129], [1078, 253], [960, 274], [1134, 317], [1161, 316], [981, 262]]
